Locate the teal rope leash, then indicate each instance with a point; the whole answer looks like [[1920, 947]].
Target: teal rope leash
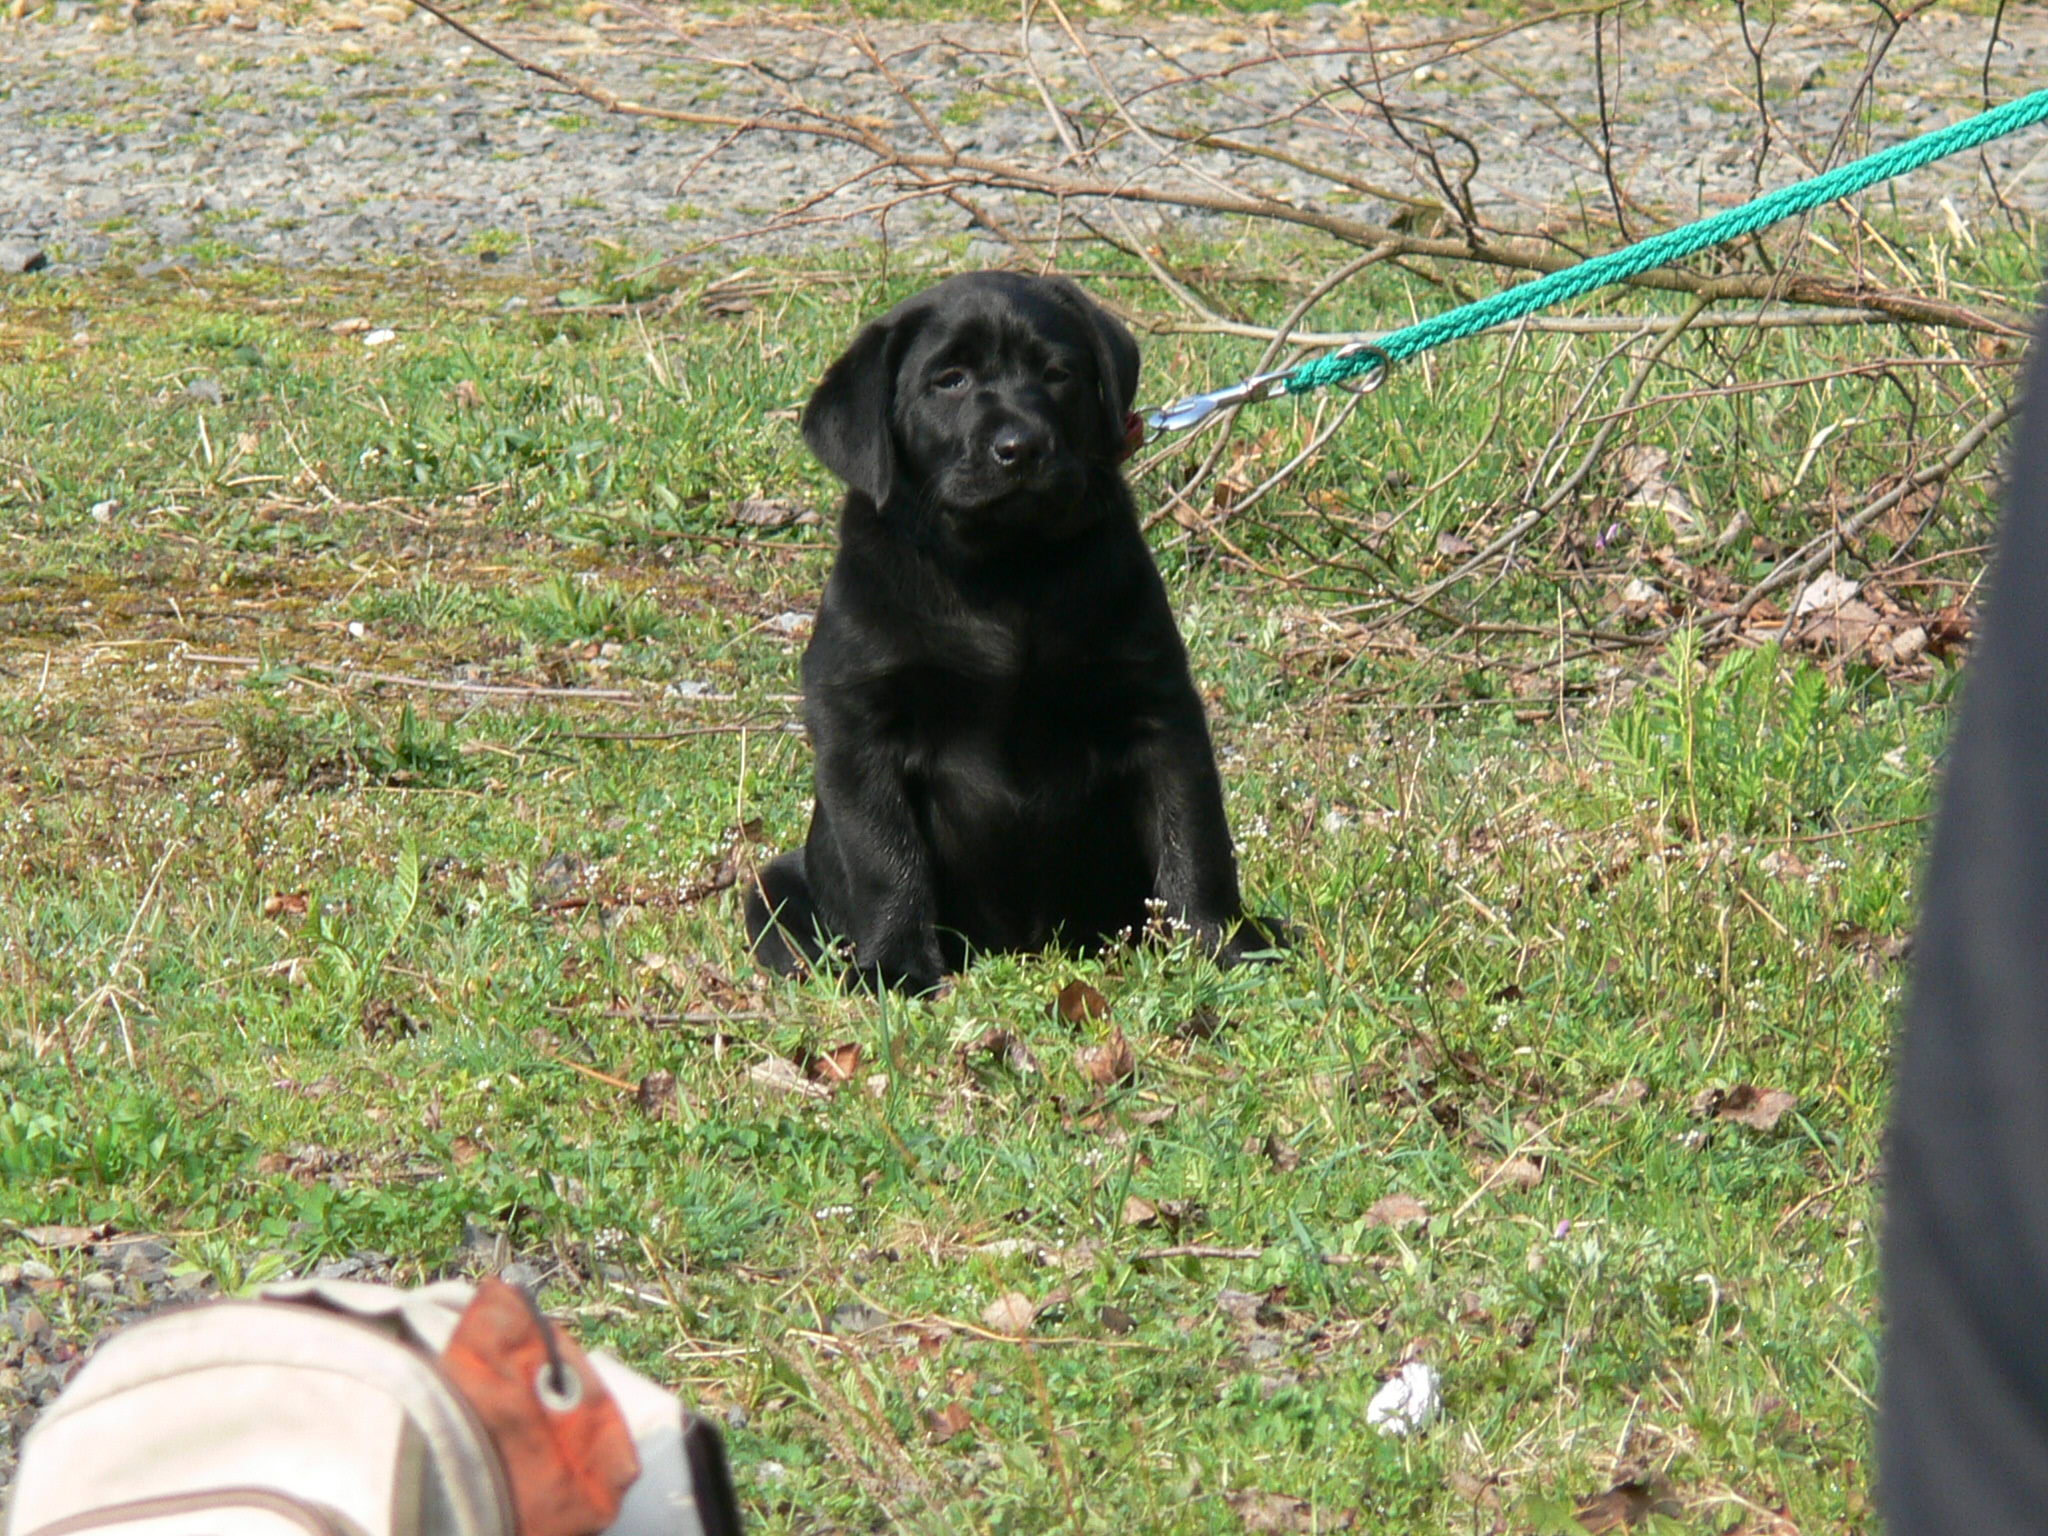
[[1613, 267]]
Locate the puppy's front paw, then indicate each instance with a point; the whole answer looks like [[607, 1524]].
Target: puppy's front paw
[[1254, 940], [913, 968]]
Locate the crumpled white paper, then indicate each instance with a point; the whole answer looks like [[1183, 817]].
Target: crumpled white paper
[[1410, 1401]]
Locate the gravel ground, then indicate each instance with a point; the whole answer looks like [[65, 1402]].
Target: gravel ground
[[82, 1284], [138, 136]]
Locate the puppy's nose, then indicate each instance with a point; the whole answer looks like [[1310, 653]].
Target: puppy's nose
[[1017, 447]]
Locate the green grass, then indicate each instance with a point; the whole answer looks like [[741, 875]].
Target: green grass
[[256, 909]]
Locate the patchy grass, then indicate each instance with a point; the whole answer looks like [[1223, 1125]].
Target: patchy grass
[[303, 957]]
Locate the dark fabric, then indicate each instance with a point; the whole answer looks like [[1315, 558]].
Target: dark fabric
[[1964, 1418]]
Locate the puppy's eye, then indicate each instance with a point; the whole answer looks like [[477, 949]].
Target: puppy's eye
[[951, 379], [1057, 375]]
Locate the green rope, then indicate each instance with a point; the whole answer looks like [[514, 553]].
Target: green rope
[[1661, 250]]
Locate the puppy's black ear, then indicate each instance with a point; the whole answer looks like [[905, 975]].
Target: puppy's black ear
[[1116, 354], [846, 422]]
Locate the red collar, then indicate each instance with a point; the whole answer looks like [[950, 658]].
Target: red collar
[[1134, 435]]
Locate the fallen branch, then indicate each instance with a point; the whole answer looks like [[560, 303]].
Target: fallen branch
[[345, 674]]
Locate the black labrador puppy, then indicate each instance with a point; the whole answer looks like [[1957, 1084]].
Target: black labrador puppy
[[1010, 750]]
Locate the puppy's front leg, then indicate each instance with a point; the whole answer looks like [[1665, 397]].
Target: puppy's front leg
[[870, 865], [1194, 865]]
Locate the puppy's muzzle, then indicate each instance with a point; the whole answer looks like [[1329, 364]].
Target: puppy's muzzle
[[1018, 450]]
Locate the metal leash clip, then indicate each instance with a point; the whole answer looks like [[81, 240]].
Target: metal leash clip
[[1196, 409]]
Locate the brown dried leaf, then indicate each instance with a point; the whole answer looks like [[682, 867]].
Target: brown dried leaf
[[758, 512], [780, 1076], [1278, 1151], [949, 1422], [1758, 1108], [1170, 1214], [1280, 1514], [1397, 1210], [1079, 1003], [385, 1020], [997, 1044], [466, 395], [1627, 1505], [837, 1063], [1109, 1063], [287, 904], [1011, 1313], [1626, 1094], [1512, 1173], [657, 1096], [62, 1237]]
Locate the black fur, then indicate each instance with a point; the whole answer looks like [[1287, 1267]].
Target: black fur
[[1010, 750]]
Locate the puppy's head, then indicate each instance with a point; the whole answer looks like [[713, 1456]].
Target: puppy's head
[[994, 401]]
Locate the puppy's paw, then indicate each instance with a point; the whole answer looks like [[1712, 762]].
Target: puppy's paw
[[911, 967], [1255, 940]]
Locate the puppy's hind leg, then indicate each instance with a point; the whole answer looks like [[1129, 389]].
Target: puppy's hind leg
[[782, 920]]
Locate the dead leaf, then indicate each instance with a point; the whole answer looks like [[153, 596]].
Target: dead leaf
[[1281, 1514], [350, 326], [1627, 1505], [837, 1063], [1825, 593], [1170, 1214], [1011, 1313], [1109, 1063], [1116, 1320], [1080, 1003], [1247, 1309], [759, 512], [998, 1044], [1626, 1094], [1758, 1108], [1902, 649], [1276, 1149], [62, 1237], [466, 395], [1205, 1023], [850, 1319], [1513, 1173], [780, 1076], [385, 1020], [1645, 483], [1784, 864], [1453, 547], [1396, 1210], [949, 1422], [657, 1096], [287, 904]]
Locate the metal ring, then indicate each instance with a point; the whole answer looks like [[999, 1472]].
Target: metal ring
[[558, 1387], [1383, 365]]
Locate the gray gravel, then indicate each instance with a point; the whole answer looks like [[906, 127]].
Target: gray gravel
[[79, 1286], [135, 136]]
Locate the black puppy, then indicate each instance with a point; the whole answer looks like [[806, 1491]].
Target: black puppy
[[1010, 750]]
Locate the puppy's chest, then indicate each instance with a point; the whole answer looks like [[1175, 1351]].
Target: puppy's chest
[[1030, 719]]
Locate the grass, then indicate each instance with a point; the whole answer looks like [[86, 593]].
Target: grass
[[295, 964]]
